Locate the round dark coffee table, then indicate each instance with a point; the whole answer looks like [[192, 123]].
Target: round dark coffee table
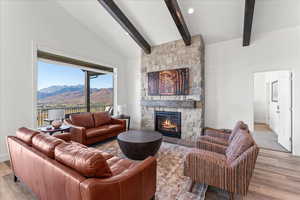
[[138, 145]]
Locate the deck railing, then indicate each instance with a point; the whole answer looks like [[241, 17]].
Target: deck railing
[[42, 113]]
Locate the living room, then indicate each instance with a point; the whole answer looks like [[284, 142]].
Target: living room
[[213, 69]]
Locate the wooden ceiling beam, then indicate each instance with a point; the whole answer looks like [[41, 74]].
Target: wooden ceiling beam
[[248, 19], [179, 21], [121, 18]]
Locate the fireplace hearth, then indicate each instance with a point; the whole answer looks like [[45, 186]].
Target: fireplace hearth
[[168, 123]]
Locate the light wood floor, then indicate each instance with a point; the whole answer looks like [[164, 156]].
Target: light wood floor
[[276, 176]]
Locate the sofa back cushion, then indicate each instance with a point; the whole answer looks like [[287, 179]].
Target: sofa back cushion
[[45, 144], [83, 119], [89, 162], [26, 135], [101, 118], [239, 144], [239, 125]]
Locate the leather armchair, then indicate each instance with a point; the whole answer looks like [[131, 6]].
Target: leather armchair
[[228, 168]]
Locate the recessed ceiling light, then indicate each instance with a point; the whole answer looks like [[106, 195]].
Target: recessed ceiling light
[[126, 33], [191, 11]]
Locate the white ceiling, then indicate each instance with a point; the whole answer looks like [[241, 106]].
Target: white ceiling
[[215, 20]]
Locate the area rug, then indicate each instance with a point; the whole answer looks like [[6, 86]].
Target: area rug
[[171, 184]]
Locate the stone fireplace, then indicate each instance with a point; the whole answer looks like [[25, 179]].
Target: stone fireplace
[[169, 56], [168, 123]]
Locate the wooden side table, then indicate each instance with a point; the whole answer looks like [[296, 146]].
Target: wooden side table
[[126, 117]]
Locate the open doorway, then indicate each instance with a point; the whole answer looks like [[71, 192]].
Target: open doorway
[[273, 110]]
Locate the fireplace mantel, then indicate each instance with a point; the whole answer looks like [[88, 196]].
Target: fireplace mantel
[[170, 103]]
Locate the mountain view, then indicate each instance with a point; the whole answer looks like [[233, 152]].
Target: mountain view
[[62, 87], [73, 95]]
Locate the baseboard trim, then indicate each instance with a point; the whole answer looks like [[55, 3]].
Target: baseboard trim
[[4, 157]]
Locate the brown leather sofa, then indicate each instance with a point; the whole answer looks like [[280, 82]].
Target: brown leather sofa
[[58, 170], [227, 167], [89, 128]]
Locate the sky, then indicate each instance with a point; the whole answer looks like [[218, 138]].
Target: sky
[[50, 74]]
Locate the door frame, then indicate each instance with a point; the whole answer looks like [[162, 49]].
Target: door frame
[[292, 102]]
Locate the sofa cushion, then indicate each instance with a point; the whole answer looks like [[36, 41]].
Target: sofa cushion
[[87, 161], [95, 132], [210, 156], [101, 118], [119, 165], [45, 144], [104, 154], [26, 135], [215, 140], [238, 125], [239, 144], [85, 120]]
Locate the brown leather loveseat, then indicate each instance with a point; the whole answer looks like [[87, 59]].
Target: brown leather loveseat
[[58, 170], [89, 128]]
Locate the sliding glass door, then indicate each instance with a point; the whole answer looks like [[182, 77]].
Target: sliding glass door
[[101, 92], [65, 89]]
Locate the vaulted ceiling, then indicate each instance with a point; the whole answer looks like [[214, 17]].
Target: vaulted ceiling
[[215, 20]]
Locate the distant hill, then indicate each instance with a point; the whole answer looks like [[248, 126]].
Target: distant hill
[[63, 94]]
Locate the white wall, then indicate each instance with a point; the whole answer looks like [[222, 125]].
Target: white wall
[[1, 76], [134, 91], [229, 76], [28, 22], [260, 98]]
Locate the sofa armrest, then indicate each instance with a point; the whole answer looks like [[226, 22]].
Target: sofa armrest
[[119, 121], [209, 146], [243, 168], [215, 140], [78, 134], [138, 182], [217, 133], [206, 167], [228, 131]]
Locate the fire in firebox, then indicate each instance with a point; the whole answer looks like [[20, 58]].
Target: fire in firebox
[[167, 124]]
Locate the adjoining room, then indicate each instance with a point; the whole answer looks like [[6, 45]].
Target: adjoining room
[[273, 110]]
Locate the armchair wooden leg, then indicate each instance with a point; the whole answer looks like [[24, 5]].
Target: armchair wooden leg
[[15, 178], [192, 186], [231, 195]]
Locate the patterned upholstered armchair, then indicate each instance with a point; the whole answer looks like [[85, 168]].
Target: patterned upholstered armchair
[[221, 136], [228, 168]]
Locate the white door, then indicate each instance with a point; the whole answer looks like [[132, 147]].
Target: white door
[[285, 109]]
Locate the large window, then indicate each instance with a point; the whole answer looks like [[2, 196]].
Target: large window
[[72, 89], [101, 91]]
